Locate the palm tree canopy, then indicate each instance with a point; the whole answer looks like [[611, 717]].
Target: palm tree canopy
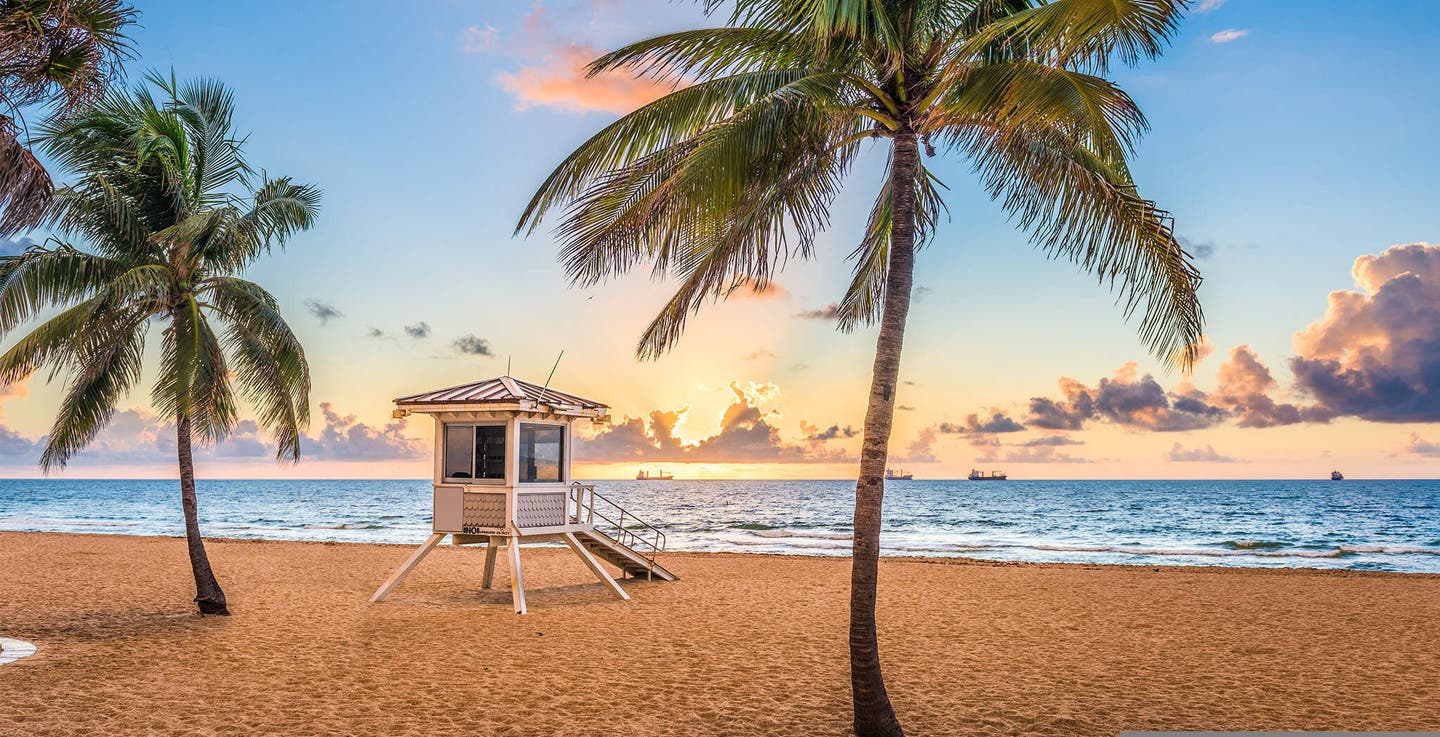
[[721, 181], [63, 53], [170, 215]]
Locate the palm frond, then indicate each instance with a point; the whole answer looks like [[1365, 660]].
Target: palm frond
[[709, 53], [107, 364], [746, 190], [1079, 206], [1027, 94], [55, 342], [25, 186], [865, 297], [665, 123], [42, 277], [268, 360], [1082, 33]]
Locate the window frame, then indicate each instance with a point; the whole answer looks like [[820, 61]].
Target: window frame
[[474, 457], [564, 428]]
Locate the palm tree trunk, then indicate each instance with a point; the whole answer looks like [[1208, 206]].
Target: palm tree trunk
[[208, 595], [874, 716]]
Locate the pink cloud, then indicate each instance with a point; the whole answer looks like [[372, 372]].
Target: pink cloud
[[554, 73], [1228, 35]]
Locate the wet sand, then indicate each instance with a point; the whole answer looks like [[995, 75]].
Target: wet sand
[[742, 645]]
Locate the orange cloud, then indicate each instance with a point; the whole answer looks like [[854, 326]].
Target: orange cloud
[[554, 75], [559, 82], [747, 289], [17, 390]]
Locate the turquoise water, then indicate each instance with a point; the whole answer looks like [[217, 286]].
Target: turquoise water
[[1360, 525]]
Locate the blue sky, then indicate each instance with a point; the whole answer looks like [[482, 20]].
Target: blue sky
[[1300, 144]]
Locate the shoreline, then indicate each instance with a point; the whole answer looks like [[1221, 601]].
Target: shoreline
[[933, 560], [743, 644]]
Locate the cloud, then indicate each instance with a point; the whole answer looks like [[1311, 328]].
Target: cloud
[[1047, 441], [345, 438], [1069, 413], [1207, 6], [1202, 249], [1422, 447], [1204, 350], [480, 38], [747, 288], [19, 449], [830, 433], [1228, 35], [1041, 454], [1125, 400], [759, 354], [137, 437], [997, 422], [828, 312], [1375, 354], [322, 311], [1244, 388], [375, 333], [746, 434], [418, 330], [15, 247], [14, 390], [921, 450], [471, 345], [1181, 454], [553, 74]]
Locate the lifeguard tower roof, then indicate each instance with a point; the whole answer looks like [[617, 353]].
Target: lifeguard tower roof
[[500, 392]]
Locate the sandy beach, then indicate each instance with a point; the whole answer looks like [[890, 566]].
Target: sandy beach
[[743, 644]]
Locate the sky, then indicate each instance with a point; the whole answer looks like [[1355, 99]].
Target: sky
[[1293, 142]]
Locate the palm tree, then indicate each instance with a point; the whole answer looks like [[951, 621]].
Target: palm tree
[[59, 53], [721, 181], [152, 198]]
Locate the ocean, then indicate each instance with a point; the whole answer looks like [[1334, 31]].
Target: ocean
[[1353, 524]]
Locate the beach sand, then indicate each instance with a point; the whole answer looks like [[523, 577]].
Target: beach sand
[[742, 645]]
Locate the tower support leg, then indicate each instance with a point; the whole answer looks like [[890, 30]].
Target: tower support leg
[[491, 548], [594, 566], [405, 568], [517, 580]]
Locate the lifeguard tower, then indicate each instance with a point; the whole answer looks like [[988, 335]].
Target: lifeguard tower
[[502, 478]]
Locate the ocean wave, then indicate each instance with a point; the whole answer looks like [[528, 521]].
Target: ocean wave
[[795, 544], [1205, 552], [1391, 549], [345, 526], [1252, 544], [71, 522], [753, 526], [780, 532]]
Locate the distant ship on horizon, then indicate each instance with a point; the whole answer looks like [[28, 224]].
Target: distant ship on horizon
[[1337, 476], [892, 474], [644, 475], [976, 475]]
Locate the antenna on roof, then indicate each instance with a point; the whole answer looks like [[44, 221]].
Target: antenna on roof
[[552, 374], [507, 365]]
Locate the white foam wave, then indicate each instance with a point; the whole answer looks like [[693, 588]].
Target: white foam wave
[[814, 534], [70, 523], [1391, 549], [1205, 552]]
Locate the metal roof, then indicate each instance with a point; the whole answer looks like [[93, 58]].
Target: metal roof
[[500, 390]]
